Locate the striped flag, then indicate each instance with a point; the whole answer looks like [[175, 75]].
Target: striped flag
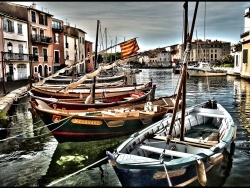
[[129, 48]]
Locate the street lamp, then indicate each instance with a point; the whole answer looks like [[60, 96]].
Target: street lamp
[[9, 46]]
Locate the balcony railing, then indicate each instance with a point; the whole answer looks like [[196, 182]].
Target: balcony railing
[[8, 56], [41, 39], [57, 27], [244, 34]]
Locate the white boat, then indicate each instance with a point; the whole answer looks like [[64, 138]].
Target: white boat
[[179, 149], [204, 69]]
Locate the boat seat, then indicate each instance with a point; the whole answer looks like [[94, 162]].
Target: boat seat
[[208, 112], [190, 141], [167, 152]]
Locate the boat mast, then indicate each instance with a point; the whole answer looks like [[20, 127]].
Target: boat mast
[[182, 85], [96, 46]]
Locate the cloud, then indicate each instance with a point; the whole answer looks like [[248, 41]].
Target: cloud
[[156, 24]]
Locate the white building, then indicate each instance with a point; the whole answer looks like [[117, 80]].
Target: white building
[[15, 48], [164, 58]]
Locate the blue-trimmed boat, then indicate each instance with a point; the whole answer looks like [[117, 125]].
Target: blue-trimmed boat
[[180, 148]]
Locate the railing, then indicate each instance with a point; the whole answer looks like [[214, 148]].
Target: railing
[[8, 56], [57, 27], [41, 39]]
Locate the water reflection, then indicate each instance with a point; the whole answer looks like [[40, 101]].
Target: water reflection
[[36, 159], [70, 157]]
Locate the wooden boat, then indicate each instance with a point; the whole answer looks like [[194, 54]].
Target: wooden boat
[[181, 147], [60, 79], [80, 104], [204, 69], [103, 92], [97, 124]]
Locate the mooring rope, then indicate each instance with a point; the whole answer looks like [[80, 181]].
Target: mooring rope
[[16, 136], [86, 168]]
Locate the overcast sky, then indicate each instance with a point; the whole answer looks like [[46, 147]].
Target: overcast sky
[[156, 24]]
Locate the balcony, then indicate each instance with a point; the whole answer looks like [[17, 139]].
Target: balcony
[[57, 28], [8, 56], [41, 39]]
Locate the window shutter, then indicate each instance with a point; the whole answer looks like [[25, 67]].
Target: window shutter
[[245, 55], [46, 21], [5, 25]]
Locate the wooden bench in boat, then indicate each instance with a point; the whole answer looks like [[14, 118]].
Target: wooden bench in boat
[[208, 112], [190, 141], [167, 152]]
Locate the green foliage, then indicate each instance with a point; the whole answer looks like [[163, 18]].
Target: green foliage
[[3, 115], [228, 59]]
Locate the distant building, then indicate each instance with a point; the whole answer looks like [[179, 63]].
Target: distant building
[[164, 59], [210, 51]]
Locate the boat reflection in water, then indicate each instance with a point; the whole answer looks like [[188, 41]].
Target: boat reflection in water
[[70, 157]]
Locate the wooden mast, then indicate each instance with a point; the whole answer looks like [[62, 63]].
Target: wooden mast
[[94, 79], [182, 84]]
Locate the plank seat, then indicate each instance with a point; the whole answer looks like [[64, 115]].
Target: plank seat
[[190, 141], [208, 112], [167, 152]]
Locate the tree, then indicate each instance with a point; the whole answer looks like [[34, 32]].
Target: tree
[[228, 59]]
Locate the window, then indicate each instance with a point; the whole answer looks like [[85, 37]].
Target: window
[[67, 55], [56, 24], [20, 50], [56, 38], [19, 28], [8, 26], [245, 55], [236, 59], [45, 55], [42, 19], [33, 16]]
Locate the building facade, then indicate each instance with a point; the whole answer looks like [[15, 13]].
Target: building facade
[[245, 41], [58, 44], [14, 45]]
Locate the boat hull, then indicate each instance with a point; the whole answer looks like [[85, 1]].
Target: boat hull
[[209, 129], [100, 93], [195, 72], [79, 104], [87, 128]]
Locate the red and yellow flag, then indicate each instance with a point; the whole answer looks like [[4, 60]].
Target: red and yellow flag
[[129, 48]]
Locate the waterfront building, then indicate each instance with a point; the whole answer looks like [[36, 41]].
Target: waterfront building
[[14, 47], [58, 44], [245, 41], [89, 54]]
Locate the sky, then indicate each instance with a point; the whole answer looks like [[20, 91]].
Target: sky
[[156, 24]]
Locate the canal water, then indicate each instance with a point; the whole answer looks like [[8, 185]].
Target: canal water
[[30, 156]]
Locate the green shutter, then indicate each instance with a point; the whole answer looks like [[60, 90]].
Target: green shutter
[[245, 55]]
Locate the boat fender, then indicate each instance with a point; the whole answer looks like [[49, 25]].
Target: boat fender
[[216, 158], [235, 133], [201, 172], [111, 158]]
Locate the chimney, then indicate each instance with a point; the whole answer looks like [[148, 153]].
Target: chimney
[[33, 5]]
